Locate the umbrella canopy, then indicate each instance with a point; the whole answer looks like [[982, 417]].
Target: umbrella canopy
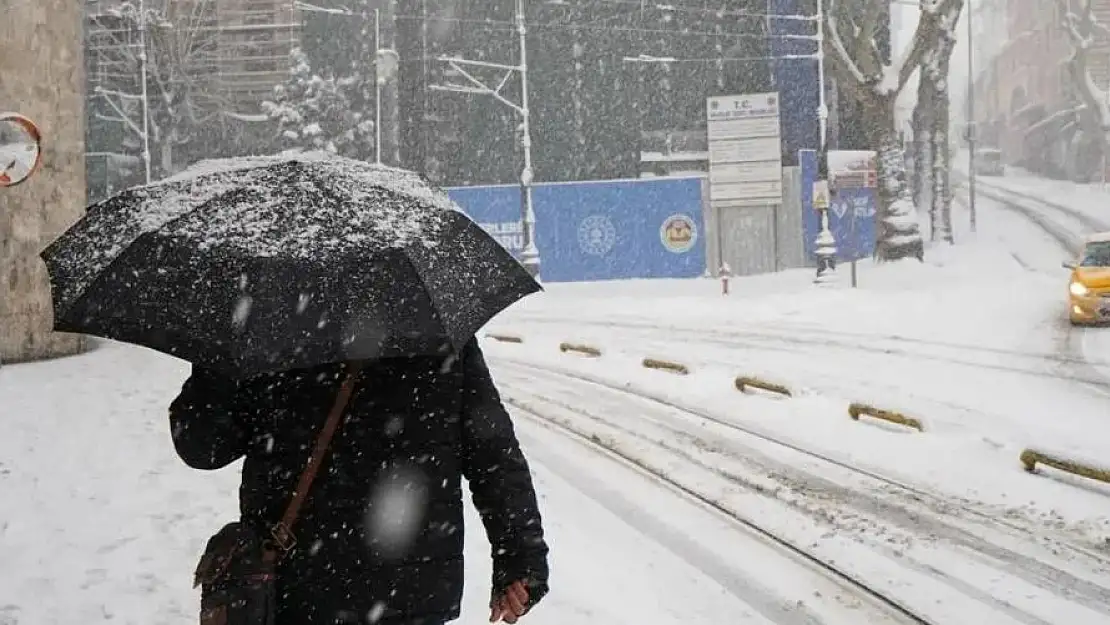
[[266, 264]]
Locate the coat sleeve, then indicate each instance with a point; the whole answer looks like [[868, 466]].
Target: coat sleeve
[[205, 421], [500, 481]]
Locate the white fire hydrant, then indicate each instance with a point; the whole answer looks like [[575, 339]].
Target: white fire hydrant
[[725, 272]]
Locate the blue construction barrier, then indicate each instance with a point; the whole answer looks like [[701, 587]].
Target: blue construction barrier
[[852, 213], [611, 230]]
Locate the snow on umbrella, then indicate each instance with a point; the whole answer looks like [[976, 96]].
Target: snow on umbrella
[[273, 263]]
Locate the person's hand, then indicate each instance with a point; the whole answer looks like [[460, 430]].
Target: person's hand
[[509, 605]]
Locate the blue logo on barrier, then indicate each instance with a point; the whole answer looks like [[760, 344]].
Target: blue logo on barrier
[[852, 222], [597, 235], [609, 230]]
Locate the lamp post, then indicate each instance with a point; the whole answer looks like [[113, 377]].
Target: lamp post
[[378, 82], [529, 254], [144, 96], [971, 129]]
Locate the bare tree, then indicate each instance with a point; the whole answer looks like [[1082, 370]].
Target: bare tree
[[180, 55], [853, 26], [931, 112]]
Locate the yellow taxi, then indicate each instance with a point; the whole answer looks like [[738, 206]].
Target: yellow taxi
[[1089, 288]]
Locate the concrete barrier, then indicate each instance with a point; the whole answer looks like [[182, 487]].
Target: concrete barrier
[[665, 365], [578, 348], [505, 338], [857, 409], [745, 382], [1030, 458]]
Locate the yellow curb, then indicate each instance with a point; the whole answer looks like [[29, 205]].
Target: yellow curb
[[1030, 458], [664, 365], [856, 409], [744, 382], [588, 350]]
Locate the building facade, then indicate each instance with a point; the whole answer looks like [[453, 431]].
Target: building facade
[[41, 77], [1025, 98]]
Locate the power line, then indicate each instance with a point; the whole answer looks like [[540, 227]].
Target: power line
[[503, 26], [683, 8]]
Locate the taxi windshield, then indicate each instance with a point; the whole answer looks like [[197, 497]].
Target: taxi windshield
[[1096, 254]]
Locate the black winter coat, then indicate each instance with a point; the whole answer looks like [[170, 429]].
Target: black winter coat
[[381, 531]]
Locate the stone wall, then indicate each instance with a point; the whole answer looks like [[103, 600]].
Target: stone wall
[[41, 76]]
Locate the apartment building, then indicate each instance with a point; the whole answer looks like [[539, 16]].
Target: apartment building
[[252, 45], [1026, 91]]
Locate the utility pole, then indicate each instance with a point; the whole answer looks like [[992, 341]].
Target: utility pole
[[822, 104], [145, 99], [378, 81], [529, 254], [422, 121], [971, 128], [391, 112]]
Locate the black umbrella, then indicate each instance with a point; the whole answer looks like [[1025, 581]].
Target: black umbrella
[[258, 265]]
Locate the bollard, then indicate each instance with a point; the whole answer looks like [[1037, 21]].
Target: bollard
[[857, 409], [666, 365], [587, 350], [744, 382], [1030, 458]]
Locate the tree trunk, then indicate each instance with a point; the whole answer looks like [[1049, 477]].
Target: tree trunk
[[941, 153], [165, 150], [934, 71], [924, 123], [898, 234]]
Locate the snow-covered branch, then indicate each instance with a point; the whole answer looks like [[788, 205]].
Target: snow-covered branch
[[841, 57], [858, 56], [927, 37]]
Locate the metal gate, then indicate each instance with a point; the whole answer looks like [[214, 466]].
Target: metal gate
[[747, 236]]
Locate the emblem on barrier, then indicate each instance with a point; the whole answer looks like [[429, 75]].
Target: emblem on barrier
[[597, 235], [678, 233]]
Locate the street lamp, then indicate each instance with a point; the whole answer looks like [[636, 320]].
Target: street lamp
[[971, 129], [385, 65], [529, 254]]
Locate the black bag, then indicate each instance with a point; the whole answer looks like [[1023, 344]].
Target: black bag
[[237, 580], [238, 572]]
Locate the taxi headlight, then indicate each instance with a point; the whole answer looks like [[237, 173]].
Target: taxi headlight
[[1078, 289]]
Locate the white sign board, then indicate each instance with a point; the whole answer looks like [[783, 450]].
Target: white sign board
[[745, 149], [853, 169]]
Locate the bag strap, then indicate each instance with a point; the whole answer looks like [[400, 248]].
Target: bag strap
[[282, 536]]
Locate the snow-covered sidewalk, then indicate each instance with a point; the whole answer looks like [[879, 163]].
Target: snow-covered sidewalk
[[102, 523]]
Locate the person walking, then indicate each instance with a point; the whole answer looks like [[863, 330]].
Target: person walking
[[379, 538]]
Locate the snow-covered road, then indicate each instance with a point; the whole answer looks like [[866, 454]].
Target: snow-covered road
[[975, 342], [940, 560]]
